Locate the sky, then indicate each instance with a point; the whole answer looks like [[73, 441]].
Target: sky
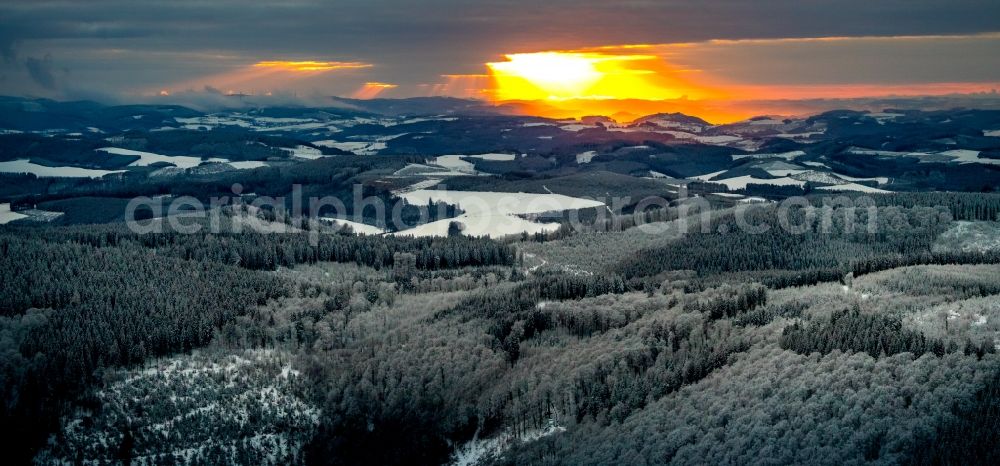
[[554, 51]]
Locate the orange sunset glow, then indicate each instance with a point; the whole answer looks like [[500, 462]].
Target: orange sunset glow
[[589, 75], [567, 84], [370, 90], [629, 81], [310, 66], [720, 81]]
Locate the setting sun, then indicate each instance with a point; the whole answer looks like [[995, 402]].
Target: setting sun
[[549, 75], [595, 75], [605, 80]]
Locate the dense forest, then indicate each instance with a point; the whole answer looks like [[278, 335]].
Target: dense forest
[[837, 344], [77, 300]]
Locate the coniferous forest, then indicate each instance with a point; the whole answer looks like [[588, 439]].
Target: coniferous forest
[[712, 347]]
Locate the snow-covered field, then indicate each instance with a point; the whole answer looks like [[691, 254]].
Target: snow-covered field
[[360, 228], [25, 166], [853, 187], [354, 147], [574, 127], [717, 139], [877, 179], [6, 216], [458, 162], [422, 184], [741, 182], [454, 162], [493, 213], [305, 152], [708, 176], [416, 169], [247, 164], [963, 156], [149, 158]]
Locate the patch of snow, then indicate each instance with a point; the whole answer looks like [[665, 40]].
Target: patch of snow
[[992, 133], [354, 147], [454, 162], [247, 164], [853, 187], [149, 158], [741, 182], [6, 216], [494, 157], [493, 213], [575, 127], [423, 184], [25, 166], [721, 139], [877, 179], [458, 163], [586, 157], [708, 176], [357, 227], [963, 156], [863, 151], [304, 152], [417, 169]]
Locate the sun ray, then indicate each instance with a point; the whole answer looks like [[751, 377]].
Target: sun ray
[[370, 90]]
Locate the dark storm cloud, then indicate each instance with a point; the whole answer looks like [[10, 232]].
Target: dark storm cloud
[[40, 70], [414, 41]]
